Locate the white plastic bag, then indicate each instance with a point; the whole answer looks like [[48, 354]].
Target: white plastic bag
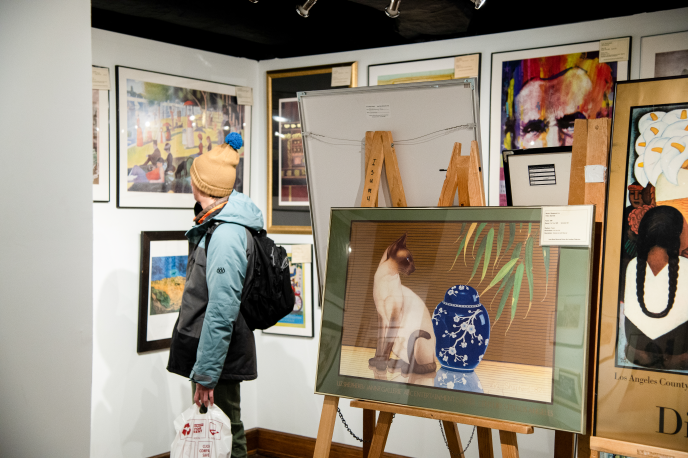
[[202, 435]]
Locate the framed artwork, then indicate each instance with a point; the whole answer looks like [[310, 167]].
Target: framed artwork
[[417, 71], [100, 112], [300, 321], [643, 342], [164, 258], [537, 176], [664, 55], [454, 309], [537, 94], [288, 203], [164, 122]]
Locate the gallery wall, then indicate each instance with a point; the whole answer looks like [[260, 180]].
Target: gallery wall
[[45, 235], [287, 366], [135, 400]]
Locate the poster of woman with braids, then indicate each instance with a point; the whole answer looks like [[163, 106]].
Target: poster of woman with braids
[[653, 288]]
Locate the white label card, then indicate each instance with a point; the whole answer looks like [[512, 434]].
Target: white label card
[[341, 76], [100, 78], [466, 66], [566, 226], [595, 174], [378, 111], [244, 95], [301, 254], [615, 50]]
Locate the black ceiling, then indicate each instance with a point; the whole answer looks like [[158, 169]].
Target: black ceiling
[[272, 28]]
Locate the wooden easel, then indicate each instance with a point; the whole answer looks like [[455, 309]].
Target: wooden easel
[[463, 175]]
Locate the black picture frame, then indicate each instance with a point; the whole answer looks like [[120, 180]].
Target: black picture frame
[[144, 344], [531, 151]]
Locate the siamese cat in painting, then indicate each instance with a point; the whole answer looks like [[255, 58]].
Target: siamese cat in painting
[[404, 323]]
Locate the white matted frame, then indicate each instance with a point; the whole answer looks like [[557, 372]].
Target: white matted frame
[[496, 183], [538, 179], [414, 71], [187, 99], [664, 55], [299, 323], [101, 145], [425, 120]]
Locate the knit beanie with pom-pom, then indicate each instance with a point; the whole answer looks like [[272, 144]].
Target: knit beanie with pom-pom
[[214, 172]]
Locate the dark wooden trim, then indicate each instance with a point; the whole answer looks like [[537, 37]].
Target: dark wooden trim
[[275, 444]]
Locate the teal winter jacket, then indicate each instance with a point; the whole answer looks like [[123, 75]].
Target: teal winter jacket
[[211, 341]]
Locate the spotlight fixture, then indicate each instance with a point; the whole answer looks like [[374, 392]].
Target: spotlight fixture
[[478, 3], [305, 8], [393, 9], [253, 1]]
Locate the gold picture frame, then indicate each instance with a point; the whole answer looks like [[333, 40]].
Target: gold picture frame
[[635, 395], [292, 215]]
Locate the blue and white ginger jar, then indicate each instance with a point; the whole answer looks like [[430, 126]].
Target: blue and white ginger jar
[[462, 329], [459, 381]]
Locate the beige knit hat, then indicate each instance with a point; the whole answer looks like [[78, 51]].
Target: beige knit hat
[[214, 172]]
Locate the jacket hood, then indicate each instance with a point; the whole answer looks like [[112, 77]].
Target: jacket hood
[[239, 210]]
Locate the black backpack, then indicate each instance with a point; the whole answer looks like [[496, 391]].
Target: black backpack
[[267, 296]]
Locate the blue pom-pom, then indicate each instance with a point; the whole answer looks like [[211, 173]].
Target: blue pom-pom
[[234, 140]]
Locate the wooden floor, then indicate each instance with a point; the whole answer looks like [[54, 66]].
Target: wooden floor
[[518, 381]]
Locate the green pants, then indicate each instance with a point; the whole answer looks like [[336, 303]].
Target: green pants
[[228, 398]]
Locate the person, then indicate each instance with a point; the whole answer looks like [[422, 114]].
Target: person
[[157, 175], [656, 293], [211, 342], [154, 156], [169, 159]]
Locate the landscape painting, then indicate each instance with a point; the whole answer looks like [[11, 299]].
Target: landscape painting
[[165, 122], [168, 276]]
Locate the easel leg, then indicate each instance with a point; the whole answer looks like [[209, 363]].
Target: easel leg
[[451, 431], [564, 444], [485, 447], [368, 430], [509, 444], [384, 422], [326, 428]]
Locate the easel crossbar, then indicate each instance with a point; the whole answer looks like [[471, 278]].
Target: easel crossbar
[[519, 428]]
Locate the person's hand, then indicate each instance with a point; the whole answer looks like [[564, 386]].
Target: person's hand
[[204, 396]]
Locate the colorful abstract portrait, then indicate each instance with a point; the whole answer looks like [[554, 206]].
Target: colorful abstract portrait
[[542, 97], [538, 94]]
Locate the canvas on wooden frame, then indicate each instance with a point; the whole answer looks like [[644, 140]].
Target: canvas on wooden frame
[[164, 258], [643, 343], [288, 203], [454, 309], [164, 122], [300, 321], [537, 94]]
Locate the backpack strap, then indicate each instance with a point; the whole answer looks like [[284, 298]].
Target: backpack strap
[[250, 254]]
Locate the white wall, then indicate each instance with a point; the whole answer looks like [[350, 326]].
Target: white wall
[[287, 367], [135, 399], [45, 235]]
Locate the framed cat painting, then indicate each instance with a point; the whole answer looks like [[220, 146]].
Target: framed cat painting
[[455, 309], [643, 342]]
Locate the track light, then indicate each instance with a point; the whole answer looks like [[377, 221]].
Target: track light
[[305, 8], [253, 1], [393, 9], [478, 3]]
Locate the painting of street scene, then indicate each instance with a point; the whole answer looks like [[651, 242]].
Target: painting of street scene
[[168, 276], [164, 127]]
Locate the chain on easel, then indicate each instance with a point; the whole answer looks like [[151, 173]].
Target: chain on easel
[[447, 444], [341, 416]]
